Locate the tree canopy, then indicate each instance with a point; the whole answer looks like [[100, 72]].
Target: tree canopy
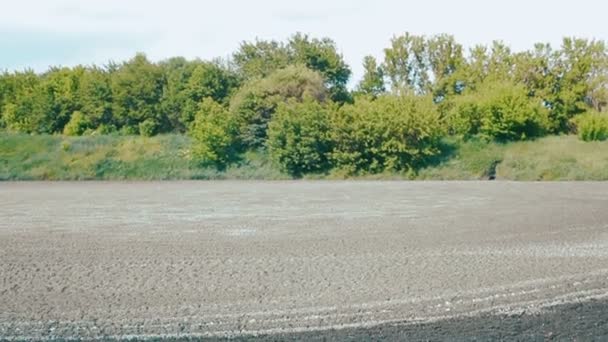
[[291, 99]]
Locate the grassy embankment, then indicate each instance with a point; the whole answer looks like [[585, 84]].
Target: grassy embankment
[[24, 157]]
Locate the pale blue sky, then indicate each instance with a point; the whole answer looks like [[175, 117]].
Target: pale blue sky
[[67, 32]]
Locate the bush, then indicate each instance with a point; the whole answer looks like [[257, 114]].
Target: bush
[[104, 129], [77, 125], [148, 127], [255, 104], [128, 130], [592, 126], [299, 138], [392, 133], [214, 132], [498, 111]]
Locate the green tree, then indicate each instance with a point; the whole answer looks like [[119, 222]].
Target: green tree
[[95, 96], [177, 71], [322, 55], [262, 58], [372, 82], [299, 138], [188, 83], [55, 99], [406, 64], [578, 80], [207, 80], [20, 102], [255, 103], [214, 132], [445, 59], [137, 89]]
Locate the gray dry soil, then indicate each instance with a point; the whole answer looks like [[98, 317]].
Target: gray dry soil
[[304, 260]]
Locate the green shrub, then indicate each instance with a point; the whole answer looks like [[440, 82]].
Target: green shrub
[[128, 130], [299, 138], [148, 127], [104, 129], [498, 111], [392, 133], [77, 125], [214, 132], [592, 126]]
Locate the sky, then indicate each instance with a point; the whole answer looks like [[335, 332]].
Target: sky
[[37, 34]]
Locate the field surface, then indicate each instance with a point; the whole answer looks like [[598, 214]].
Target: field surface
[[303, 260]]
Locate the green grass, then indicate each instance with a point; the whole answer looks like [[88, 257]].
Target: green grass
[[165, 157], [555, 159]]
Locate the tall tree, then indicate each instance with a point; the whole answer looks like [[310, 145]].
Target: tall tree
[[322, 55], [261, 58], [406, 64], [137, 89], [95, 94], [445, 58], [256, 102], [372, 82]]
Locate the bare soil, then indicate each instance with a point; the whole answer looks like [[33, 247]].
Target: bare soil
[[303, 260]]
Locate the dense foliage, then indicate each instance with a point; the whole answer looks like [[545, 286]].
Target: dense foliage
[[290, 99], [592, 126], [392, 133], [299, 137], [214, 132]]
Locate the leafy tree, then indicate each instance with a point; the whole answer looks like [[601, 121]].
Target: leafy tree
[[188, 83], [19, 104], [255, 103], [445, 59], [500, 62], [208, 80], [95, 96], [392, 133], [5, 92], [177, 72], [406, 65], [372, 82], [214, 131], [137, 89], [322, 55], [299, 138], [55, 99], [499, 110], [262, 58]]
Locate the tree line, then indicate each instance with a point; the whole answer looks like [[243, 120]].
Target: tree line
[[291, 99]]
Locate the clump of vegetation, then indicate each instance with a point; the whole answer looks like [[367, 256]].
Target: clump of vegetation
[[392, 133], [592, 126], [299, 137], [77, 125], [214, 132], [148, 127], [256, 103], [499, 110]]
